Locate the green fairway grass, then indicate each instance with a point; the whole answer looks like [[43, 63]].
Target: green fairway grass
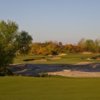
[[67, 59], [51, 88]]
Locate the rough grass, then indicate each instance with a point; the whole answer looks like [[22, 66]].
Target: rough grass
[[28, 88]]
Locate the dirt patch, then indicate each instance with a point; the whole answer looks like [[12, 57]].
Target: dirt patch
[[87, 53], [62, 54]]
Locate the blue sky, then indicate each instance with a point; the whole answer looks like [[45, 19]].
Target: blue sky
[[59, 20]]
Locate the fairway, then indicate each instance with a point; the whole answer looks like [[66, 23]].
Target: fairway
[[67, 59], [51, 88]]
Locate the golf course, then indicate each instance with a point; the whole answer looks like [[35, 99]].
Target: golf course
[[52, 88], [49, 50]]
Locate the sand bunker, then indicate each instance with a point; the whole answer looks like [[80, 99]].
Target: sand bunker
[[69, 73]]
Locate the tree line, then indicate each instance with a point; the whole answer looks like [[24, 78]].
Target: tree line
[[55, 48]]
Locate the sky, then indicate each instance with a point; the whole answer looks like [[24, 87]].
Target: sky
[[67, 21]]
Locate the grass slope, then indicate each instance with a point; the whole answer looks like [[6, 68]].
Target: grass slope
[[28, 88]]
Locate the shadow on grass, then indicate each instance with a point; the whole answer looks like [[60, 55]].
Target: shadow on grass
[[37, 69]]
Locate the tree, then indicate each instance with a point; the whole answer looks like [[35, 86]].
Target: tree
[[90, 45], [46, 48], [9, 43], [81, 44], [24, 41], [97, 45]]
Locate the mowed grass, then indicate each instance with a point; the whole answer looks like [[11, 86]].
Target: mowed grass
[[51, 88], [67, 59]]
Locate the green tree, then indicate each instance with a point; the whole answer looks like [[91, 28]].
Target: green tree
[[9, 43], [90, 45], [24, 41], [97, 45]]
